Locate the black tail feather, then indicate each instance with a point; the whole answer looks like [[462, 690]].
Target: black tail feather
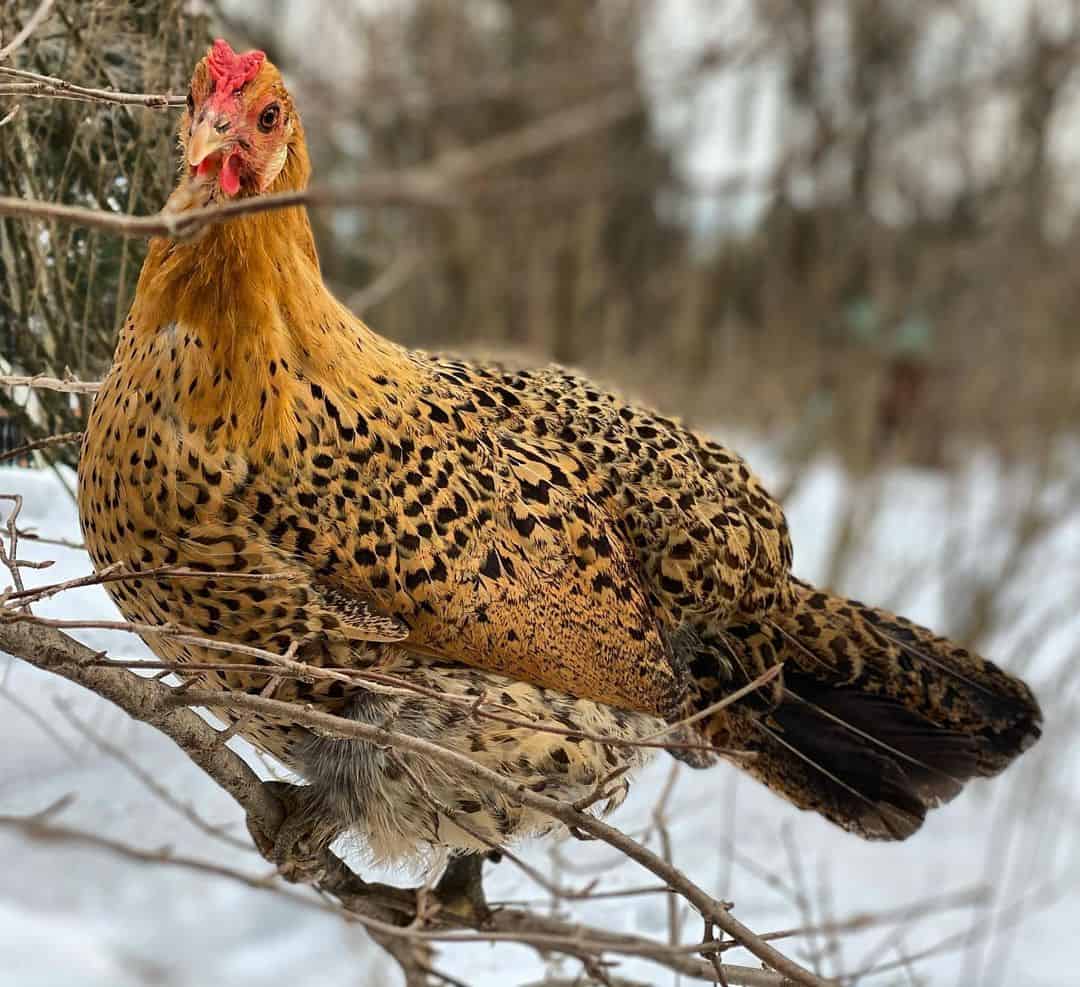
[[880, 720]]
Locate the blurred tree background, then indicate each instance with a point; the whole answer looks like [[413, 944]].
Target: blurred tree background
[[850, 221], [839, 234]]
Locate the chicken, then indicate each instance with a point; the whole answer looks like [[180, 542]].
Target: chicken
[[591, 567]]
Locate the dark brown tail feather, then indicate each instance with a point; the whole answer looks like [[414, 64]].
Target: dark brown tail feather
[[880, 720]]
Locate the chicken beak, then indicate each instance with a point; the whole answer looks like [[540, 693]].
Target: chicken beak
[[204, 141]]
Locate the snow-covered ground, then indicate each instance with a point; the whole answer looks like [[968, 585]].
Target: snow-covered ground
[[994, 874]]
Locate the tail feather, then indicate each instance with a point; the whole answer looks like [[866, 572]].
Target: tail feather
[[936, 761], [879, 719]]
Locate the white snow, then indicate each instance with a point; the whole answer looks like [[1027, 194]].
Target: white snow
[[76, 915]]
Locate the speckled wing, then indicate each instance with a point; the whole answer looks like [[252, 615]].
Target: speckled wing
[[360, 620], [511, 567], [712, 545]]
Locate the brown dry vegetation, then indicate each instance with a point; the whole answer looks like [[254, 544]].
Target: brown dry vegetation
[[911, 273]]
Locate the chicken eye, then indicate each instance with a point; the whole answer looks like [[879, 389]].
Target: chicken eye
[[269, 117]]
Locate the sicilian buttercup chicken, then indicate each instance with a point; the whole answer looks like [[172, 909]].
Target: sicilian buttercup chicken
[[593, 569]]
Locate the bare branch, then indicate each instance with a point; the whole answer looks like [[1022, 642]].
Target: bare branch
[[40, 829], [29, 534], [44, 383], [575, 820], [402, 188], [430, 185], [35, 85], [121, 756], [68, 438], [28, 28], [389, 280], [147, 701], [156, 704]]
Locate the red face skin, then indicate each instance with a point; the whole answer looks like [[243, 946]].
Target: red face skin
[[238, 121]]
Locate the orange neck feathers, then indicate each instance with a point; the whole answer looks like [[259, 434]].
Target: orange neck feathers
[[227, 280], [250, 295]]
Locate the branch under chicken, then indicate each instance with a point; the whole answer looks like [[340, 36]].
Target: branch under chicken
[[385, 910]]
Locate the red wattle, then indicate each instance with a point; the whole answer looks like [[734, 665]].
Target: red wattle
[[230, 175]]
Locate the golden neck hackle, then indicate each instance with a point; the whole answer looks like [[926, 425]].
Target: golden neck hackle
[[249, 293]]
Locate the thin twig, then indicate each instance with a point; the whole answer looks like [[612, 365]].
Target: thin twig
[[35, 85], [439, 183], [152, 784], [360, 677], [389, 280], [28, 28], [29, 534], [575, 821], [44, 383], [152, 703], [50, 442]]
